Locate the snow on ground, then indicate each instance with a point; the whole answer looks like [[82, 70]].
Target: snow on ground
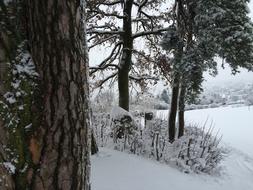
[[113, 170], [235, 124]]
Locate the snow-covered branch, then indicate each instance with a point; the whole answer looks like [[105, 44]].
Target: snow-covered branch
[[140, 78], [108, 3], [102, 41], [107, 14], [94, 69], [152, 32], [103, 32]]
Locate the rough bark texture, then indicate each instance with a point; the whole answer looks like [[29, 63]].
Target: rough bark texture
[[173, 110], [3, 69], [6, 179], [7, 182], [126, 60], [123, 86], [60, 148], [181, 106]]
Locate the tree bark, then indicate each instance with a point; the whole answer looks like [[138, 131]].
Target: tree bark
[[181, 111], [173, 110], [7, 48], [60, 146], [94, 146], [126, 59], [6, 179], [123, 86]]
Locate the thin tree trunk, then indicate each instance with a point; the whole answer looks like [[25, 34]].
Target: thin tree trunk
[[60, 147], [94, 146], [181, 111], [126, 59], [177, 62], [182, 95], [173, 110]]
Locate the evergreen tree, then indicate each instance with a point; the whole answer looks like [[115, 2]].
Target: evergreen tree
[[201, 31], [165, 96]]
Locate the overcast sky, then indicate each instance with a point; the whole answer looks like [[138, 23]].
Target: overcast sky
[[225, 76]]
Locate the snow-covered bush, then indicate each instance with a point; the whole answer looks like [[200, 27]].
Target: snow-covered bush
[[249, 100], [103, 101], [101, 128], [124, 128], [115, 128], [147, 101], [197, 151]]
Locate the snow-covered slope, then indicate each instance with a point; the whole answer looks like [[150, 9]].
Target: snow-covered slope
[[235, 124], [113, 170]]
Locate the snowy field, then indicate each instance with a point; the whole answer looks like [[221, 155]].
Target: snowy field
[[113, 170], [235, 124]]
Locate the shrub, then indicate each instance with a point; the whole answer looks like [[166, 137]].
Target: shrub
[[197, 151]]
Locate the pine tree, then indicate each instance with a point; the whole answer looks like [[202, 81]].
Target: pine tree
[[165, 96], [204, 30]]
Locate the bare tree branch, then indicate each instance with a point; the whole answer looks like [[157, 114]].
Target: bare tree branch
[[148, 58], [141, 5], [103, 67], [102, 41], [103, 63], [101, 82]]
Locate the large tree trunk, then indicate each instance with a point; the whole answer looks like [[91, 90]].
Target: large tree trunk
[[173, 110], [181, 106], [126, 59], [60, 147]]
